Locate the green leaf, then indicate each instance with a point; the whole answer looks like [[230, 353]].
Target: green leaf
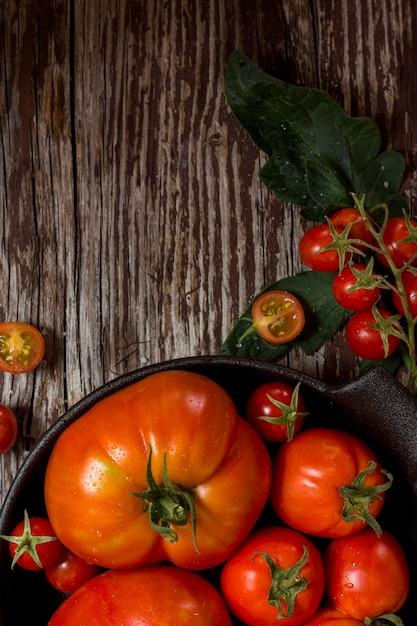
[[324, 317], [318, 156]]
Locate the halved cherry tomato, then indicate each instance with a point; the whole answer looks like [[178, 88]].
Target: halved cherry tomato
[[21, 347], [8, 429], [276, 411], [33, 543], [70, 571], [328, 483], [278, 316], [358, 229], [394, 236], [345, 293], [276, 576], [366, 575]]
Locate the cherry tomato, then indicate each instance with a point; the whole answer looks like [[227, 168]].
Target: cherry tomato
[[33, 543], [276, 411], [149, 595], [278, 316], [332, 617], [394, 234], [275, 577], [8, 429], [70, 571], [21, 347], [164, 469], [350, 298], [327, 483], [410, 286], [358, 229], [367, 342], [366, 575], [311, 249]]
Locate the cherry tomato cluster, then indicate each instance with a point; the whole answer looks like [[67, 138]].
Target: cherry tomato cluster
[[322, 558], [383, 302]]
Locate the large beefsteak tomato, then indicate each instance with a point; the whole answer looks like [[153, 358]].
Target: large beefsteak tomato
[[164, 469]]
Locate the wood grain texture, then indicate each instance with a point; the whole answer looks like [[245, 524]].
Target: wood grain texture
[[134, 228]]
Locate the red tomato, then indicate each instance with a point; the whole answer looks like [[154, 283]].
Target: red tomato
[[33, 543], [366, 342], [70, 571], [164, 469], [327, 483], [311, 249], [394, 234], [8, 429], [276, 576], [21, 347], [345, 293], [332, 617], [358, 229], [366, 575], [410, 286], [278, 316], [276, 411], [149, 596]]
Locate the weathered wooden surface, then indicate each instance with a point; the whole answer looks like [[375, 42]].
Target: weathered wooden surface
[[133, 226]]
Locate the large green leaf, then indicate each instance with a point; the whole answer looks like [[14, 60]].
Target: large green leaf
[[318, 156], [324, 317]]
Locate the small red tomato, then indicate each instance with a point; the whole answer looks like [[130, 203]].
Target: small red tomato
[[278, 316], [33, 543], [276, 411], [21, 347], [311, 249], [365, 341], [358, 229], [8, 429], [345, 293], [409, 280], [401, 252], [366, 575], [332, 617], [276, 576], [70, 571]]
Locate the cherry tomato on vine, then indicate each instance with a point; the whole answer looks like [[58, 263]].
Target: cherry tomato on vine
[[401, 252], [365, 341], [278, 316], [158, 594], [33, 543], [409, 280], [350, 298], [328, 483], [358, 229], [276, 411], [275, 577], [69, 572], [21, 347], [366, 575], [311, 249], [8, 429]]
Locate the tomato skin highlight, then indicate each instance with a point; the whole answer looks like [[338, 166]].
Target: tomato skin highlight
[[394, 234], [278, 316], [22, 347], [149, 596], [308, 473], [69, 572], [8, 429], [356, 300], [260, 406], [246, 578], [366, 342], [366, 575], [210, 452]]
